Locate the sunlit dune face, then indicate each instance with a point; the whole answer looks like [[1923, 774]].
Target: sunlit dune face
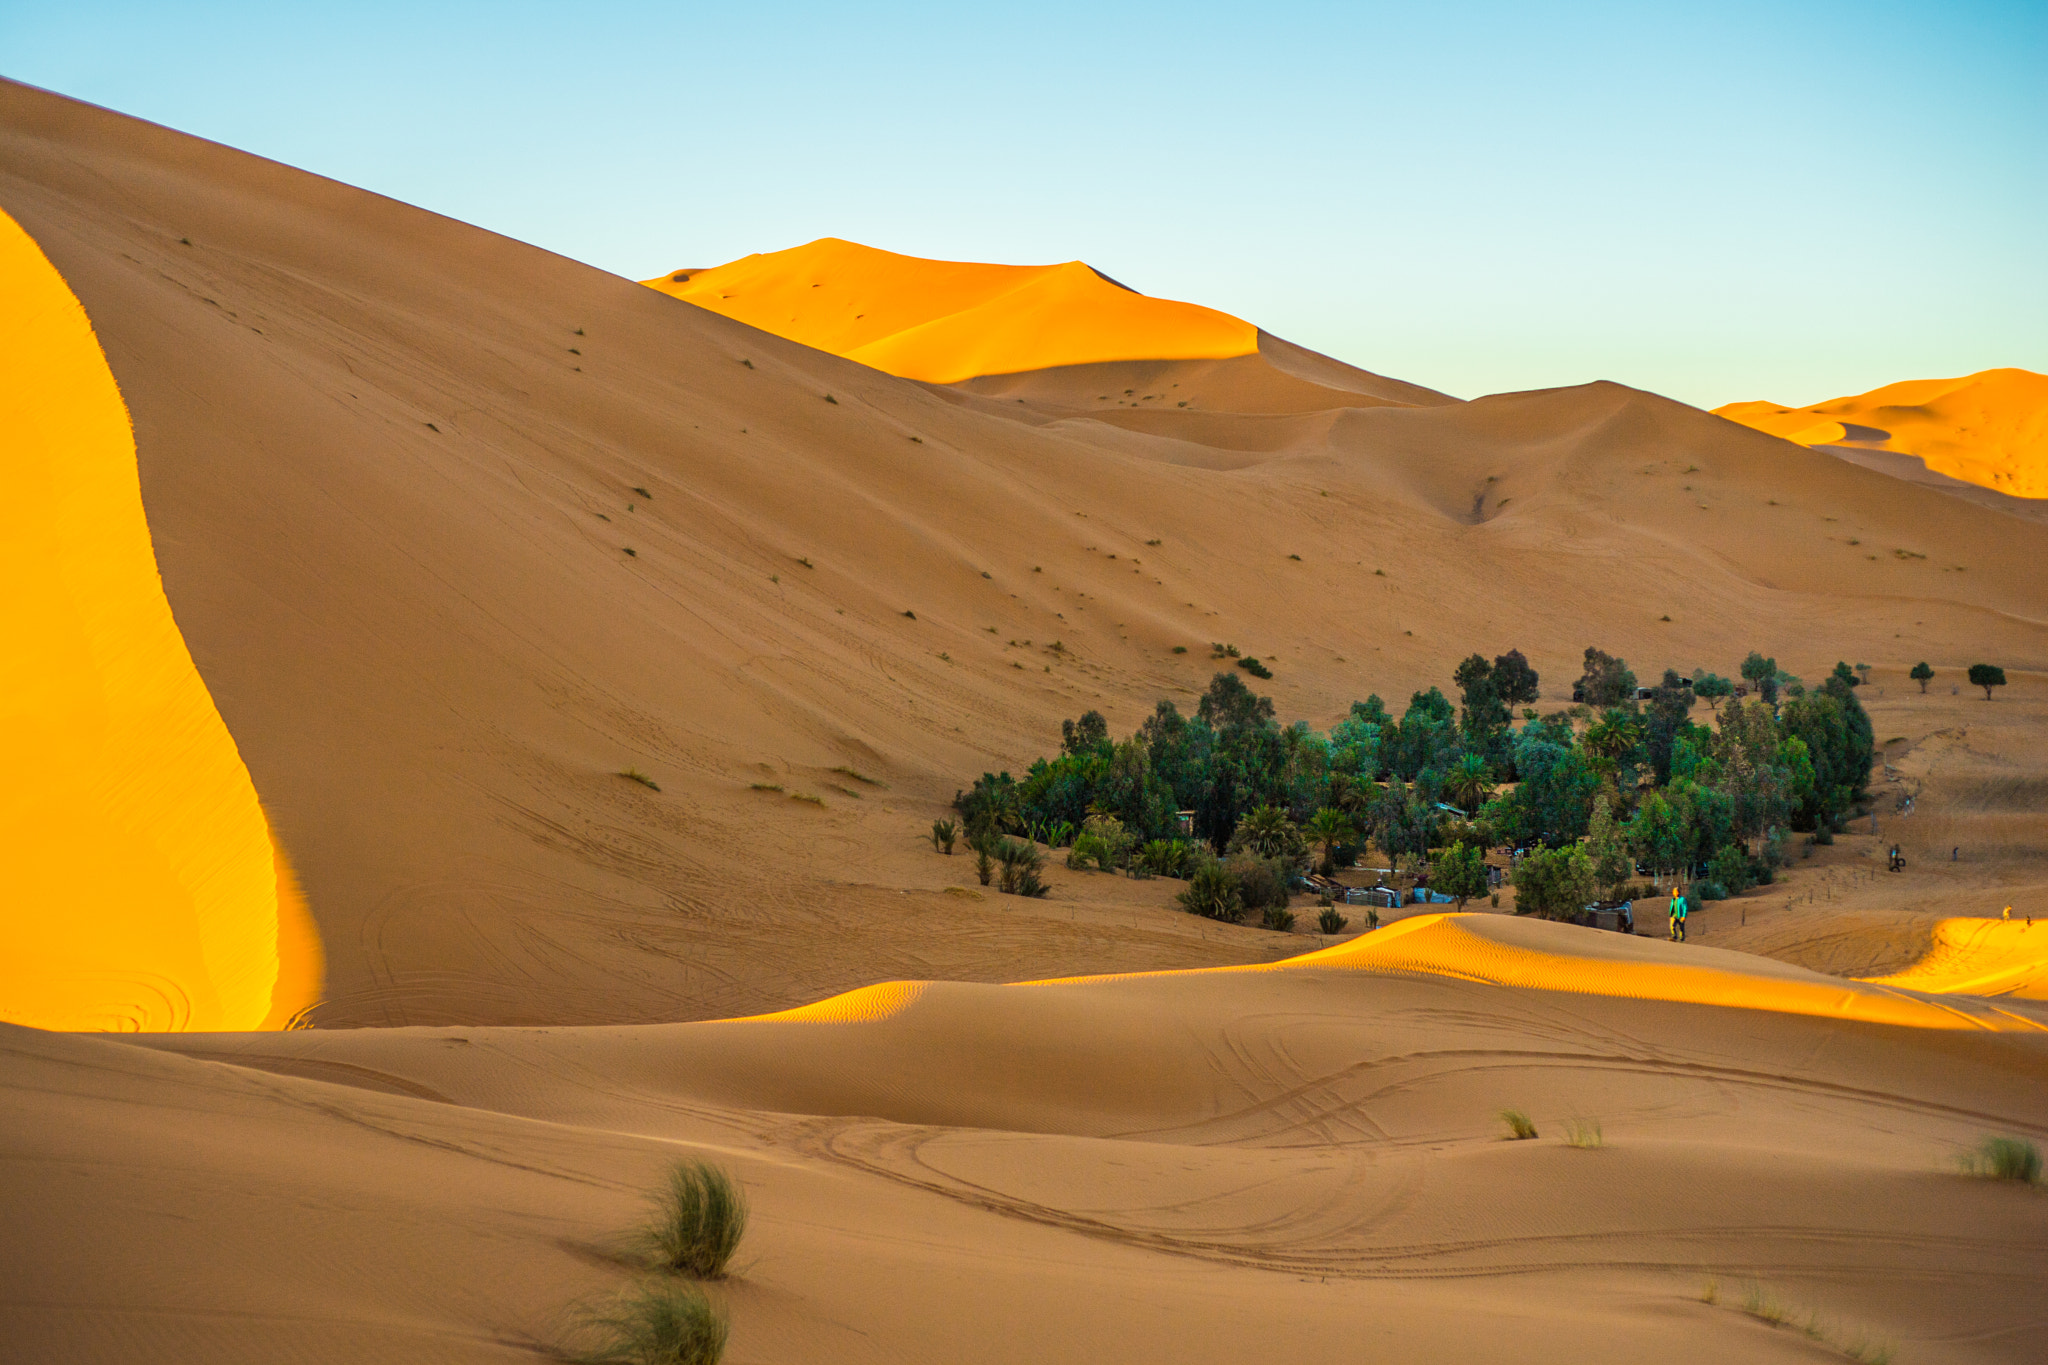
[[945, 321], [139, 885], [862, 1006], [1497, 950], [1985, 957], [1989, 428]]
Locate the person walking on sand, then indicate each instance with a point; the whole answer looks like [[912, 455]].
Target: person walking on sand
[[1677, 915]]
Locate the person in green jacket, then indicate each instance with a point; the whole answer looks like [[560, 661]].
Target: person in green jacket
[[1678, 908]]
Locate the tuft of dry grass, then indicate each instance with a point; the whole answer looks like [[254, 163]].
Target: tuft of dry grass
[[1520, 1128], [635, 775], [1584, 1134]]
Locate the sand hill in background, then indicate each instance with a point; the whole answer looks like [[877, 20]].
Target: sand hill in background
[[949, 320], [1988, 428]]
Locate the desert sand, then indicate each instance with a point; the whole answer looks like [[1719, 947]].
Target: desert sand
[[1988, 428], [453, 532]]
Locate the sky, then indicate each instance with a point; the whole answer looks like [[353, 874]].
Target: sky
[[1716, 202]]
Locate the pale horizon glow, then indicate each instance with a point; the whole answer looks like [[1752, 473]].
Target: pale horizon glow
[[1789, 203]]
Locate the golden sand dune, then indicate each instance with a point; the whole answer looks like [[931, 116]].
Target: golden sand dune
[[457, 531], [139, 888], [1982, 957], [1988, 428], [944, 321]]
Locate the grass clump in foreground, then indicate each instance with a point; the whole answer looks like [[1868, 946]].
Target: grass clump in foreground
[[1520, 1127], [1584, 1134], [2005, 1158], [656, 1324], [1763, 1303], [635, 775], [699, 1218]]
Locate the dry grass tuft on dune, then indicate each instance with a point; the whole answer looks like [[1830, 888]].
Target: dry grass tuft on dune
[[1988, 428]]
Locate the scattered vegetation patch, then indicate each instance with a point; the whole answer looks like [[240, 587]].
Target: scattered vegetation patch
[[1254, 667], [1330, 920], [635, 775], [808, 798], [1520, 1128], [2004, 1158], [1767, 1306], [858, 776], [1180, 649], [963, 893]]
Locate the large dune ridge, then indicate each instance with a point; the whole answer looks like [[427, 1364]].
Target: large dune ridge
[[1988, 428], [455, 532]]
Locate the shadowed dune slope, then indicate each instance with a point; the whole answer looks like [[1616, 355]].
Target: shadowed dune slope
[[1988, 428], [457, 531]]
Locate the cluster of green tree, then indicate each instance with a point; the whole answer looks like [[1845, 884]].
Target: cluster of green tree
[[1681, 797]]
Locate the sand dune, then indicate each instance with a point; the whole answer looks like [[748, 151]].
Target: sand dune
[[453, 533], [949, 320], [1982, 957], [393, 488], [1192, 1165], [1988, 428]]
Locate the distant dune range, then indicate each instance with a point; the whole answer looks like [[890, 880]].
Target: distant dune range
[[454, 534], [1988, 428]]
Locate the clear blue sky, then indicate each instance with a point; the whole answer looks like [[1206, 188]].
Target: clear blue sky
[[1715, 201]]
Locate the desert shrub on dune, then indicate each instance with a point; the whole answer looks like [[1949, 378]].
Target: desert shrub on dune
[[1261, 882], [699, 1217], [1520, 1128], [1330, 920], [1212, 893], [1020, 866], [655, 1324], [1166, 857], [1277, 918], [944, 833], [2005, 1158]]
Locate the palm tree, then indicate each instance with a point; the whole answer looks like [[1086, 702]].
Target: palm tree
[[1326, 829], [1267, 832], [1469, 783]]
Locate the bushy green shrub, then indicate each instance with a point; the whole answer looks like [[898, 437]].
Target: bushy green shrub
[[2005, 1158], [1330, 921], [1731, 867], [1278, 918], [1704, 890], [944, 833], [1021, 866], [1555, 883], [1166, 857], [1212, 893], [1091, 850], [1261, 882]]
